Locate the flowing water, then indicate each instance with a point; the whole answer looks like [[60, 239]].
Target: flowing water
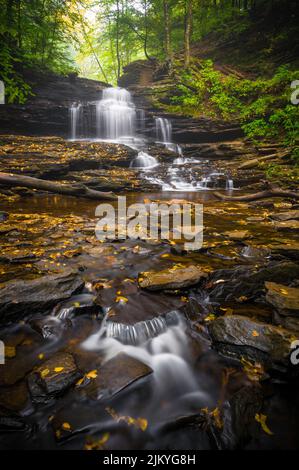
[[117, 120], [159, 330]]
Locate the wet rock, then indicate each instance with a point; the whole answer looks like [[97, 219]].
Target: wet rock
[[289, 250], [14, 398], [283, 216], [3, 216], [115, 375], [7, 228], [237, 235], [20, 298], [172, 278], [239, 425], [247, 281], [53, 377], [284, 299], [238, 336], [288, 225]]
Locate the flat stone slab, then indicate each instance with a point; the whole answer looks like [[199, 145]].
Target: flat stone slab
[[53, 377], [239, 336], [288, 215], [115, 375], [287, 225], [237, 234], [172, 278], [19, 298], [290, 250], [285, 299]]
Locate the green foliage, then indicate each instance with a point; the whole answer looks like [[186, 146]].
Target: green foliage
[[36, 34], [262, 105]]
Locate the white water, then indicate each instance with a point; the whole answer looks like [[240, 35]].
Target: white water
[[118, 120], [115, 114], [166, 354], [75, 118], [163, 130], [144, 160]]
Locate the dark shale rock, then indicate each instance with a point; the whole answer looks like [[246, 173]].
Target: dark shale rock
[[53, 377], [20, 298], [239, 425], [172, 278], [115, 375], [284, 299], [283, 216], [289, 250], [238, 336], [249, 282]]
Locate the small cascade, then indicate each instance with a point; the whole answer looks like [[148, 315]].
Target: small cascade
[[229, 184], [144, 160], [166, 353], [75, 111], [163, 130], [115, 114], [141, 331]]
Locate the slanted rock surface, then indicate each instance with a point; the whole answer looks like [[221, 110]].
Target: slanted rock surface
[[53, 377], [239, 336], [115, 375], [172, 278], [285, 299], [22, 297]]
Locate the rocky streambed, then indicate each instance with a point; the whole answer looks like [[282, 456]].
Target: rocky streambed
[[139, 343]]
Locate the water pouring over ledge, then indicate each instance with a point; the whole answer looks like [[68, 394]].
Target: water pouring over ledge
[[115, 119]]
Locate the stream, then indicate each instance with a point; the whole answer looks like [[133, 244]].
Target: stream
[[146, 375]]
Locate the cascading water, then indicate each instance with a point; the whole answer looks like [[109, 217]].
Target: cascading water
[[163, 130], [116, 119], [166, 353], [75, 118], [144, 160], [115, 115]]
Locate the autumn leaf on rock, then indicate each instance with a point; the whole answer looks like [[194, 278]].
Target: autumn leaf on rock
[[260, 418]]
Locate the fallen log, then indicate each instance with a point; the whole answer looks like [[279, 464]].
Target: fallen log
[[77, 189], [268, 193]]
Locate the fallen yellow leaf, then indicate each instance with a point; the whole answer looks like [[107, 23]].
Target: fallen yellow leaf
[[44, 373], [66, 426], [58, 369], [92, 374], [260, 418]]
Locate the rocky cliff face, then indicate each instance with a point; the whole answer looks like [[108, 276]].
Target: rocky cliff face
[[46, 111]]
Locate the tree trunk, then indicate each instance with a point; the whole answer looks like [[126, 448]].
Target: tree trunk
[[79, 190], [270, 191], [188, 29], [117, 40], [167, 40]]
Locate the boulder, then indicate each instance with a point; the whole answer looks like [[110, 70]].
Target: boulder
[[172, 278], [53, 377], [20, 298], [115, 375], [238, 336]]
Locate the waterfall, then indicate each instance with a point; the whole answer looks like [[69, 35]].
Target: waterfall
[[229, 184], [162, 344], [115, 114], [75, 118], [144, 160], [163, 130]]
